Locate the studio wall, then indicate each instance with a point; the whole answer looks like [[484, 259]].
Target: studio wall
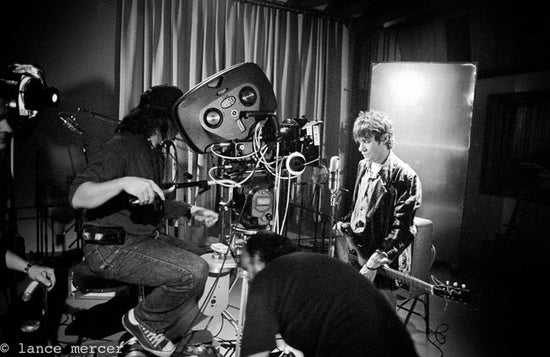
[[75, 43]]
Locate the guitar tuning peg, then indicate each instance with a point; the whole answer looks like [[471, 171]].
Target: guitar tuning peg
[[455, 284], [463, 286], [447, 282]]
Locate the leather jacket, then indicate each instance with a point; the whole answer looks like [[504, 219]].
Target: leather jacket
[[390, 213]]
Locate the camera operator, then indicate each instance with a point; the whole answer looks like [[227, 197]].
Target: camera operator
[[10, 261], [132, 248]]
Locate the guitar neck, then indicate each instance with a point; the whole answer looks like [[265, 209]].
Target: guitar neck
[[406, 279]]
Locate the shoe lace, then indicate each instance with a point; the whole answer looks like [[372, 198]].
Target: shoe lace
[[154, 338]]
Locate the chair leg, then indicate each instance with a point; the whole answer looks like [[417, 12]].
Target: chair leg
[[427, 313], [411, 310]]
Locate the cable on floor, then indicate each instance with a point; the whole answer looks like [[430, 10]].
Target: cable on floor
[[440, 335]]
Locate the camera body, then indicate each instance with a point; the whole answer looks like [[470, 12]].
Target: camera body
[[231, 114]]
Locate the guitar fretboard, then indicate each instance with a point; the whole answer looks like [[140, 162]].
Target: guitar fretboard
[[406, 279]]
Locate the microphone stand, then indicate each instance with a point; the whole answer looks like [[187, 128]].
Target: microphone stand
[[333, 204]]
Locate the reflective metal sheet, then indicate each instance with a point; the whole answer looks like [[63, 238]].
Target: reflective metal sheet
[[431, 105]]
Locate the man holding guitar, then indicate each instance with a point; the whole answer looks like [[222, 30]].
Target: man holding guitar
[[386, 196]]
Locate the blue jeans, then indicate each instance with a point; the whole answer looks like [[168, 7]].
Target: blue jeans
[[173, 267]]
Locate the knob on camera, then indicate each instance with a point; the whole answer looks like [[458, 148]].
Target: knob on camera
[[295, 163]]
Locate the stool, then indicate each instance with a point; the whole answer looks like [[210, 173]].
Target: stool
[[422, 255], [104, 319]]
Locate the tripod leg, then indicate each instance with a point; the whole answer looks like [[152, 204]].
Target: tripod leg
[[242, 310]]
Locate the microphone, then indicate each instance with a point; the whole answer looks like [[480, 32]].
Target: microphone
[[69, 121], [334, 169], [29, 290], [99, 116]]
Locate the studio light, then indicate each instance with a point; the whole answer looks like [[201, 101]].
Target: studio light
[[28, 95]]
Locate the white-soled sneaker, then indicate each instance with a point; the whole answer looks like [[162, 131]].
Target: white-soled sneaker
[[154, 342]]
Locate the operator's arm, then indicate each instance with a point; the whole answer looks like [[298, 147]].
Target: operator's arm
[[174, 209], [93, 194], [44, 275]]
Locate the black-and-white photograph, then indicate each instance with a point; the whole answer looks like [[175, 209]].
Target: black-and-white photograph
[[274, 178]]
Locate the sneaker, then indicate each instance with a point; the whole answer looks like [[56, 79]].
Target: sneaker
[[156, 343]]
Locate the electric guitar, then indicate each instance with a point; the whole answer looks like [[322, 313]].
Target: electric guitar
[[456, 292]]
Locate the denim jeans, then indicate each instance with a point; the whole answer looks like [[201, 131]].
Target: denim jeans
[[173, 267]]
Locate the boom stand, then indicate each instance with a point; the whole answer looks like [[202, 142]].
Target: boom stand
[[332, 240]]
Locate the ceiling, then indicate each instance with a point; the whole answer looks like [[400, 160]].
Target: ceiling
[[372, 14]]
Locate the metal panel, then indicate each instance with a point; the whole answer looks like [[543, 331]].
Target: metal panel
[[431, 105]]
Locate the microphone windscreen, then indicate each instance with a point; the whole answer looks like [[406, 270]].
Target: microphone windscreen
[[334, 163]]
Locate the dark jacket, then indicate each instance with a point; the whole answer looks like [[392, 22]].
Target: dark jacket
[[389, 217]]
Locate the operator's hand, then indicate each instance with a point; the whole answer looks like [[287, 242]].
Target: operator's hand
[[43, 275], [26, 69], [204, 215], [143, 189], [376, 260], [339, 228]]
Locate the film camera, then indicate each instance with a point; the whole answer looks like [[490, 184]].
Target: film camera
[[24, 89], [231, 115]]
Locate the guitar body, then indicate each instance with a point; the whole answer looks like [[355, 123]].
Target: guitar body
[[348, 252]]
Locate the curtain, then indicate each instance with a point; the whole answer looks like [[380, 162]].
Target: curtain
[[517, 146], [181, 42]]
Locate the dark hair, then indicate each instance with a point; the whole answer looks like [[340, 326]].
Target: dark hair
[[270, 246], [153, 113], [161, 97], [144, 122], [373, 124]]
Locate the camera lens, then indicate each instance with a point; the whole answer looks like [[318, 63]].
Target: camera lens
[[213, 118]]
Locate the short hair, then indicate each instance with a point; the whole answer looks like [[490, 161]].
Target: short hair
[[375, 124], [153, 113], [269, 246]]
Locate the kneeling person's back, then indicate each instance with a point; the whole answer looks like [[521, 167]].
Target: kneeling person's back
[[321, 307]]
